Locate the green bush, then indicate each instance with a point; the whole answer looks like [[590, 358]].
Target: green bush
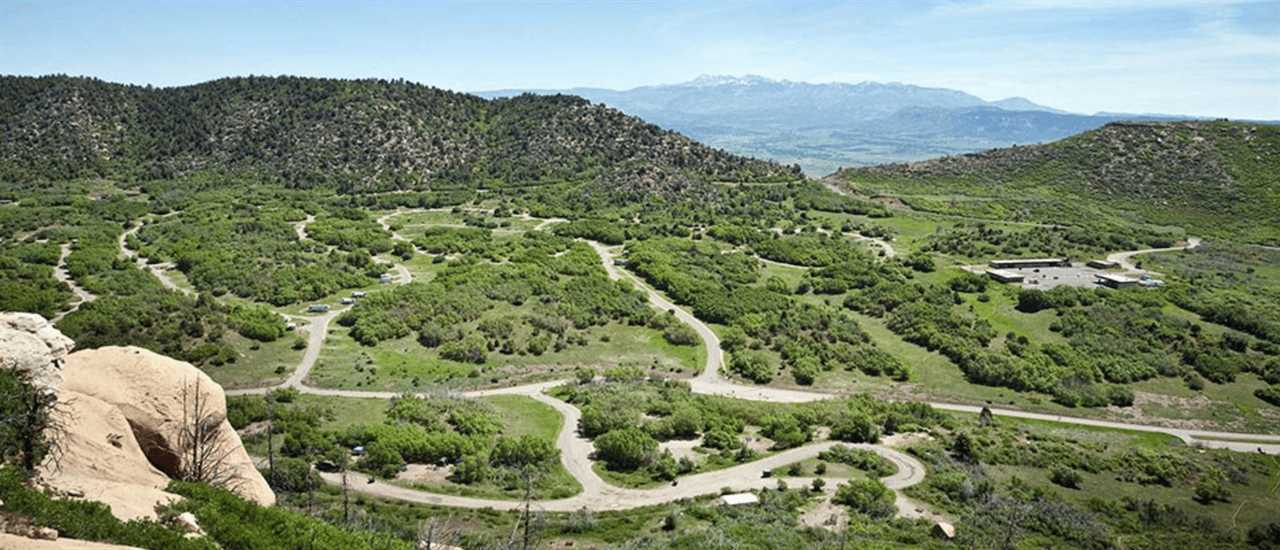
[[753, 366], [234, 523], [868, 497], [88, 520], [382, 459], [626, 449], [1066, 477]]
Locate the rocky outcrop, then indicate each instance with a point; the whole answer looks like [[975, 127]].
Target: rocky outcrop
[[122, 410], [156, 396], [29, 344]]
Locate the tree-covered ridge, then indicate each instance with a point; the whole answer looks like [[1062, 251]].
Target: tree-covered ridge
[[1187, 174], [356, 134]]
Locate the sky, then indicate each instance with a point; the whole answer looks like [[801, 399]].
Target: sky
[[1193, 57]]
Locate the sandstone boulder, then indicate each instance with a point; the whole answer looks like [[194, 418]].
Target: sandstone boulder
[[155, 395], [102, 461]]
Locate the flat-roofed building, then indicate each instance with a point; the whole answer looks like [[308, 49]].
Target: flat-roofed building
[[739, 499], [1030, 262], [1103, 264], [1005, 276], [1116, 281]]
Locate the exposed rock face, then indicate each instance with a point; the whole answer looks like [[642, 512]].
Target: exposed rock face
[[29, 344], [155, 395], [123, 409], [101, 458]]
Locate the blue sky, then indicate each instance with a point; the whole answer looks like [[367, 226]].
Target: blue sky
[[1201, 57]]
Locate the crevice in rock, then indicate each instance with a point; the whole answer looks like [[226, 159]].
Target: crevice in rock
[[157, 450]]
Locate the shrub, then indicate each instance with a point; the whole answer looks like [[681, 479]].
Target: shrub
[[1212, 487], [1066, 477], [753, 366], [626, 449], [472, 349], [855, 428], [680, 334], [526, 450], [382, 459], [293, 475], [868, 497], [1269, 394], [88, 520], [806, 370]]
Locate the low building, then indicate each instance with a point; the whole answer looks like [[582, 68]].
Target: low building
[[1148, 282], [348, 301], [1005, 276], [359, 294], [318, 308], [1103, 264], [385, 278], [1031, 262], [1116, 281], [739, 499]]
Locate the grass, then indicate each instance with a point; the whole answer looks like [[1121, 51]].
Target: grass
[[269, 364], [1251, 504], [403, 364], [834, 470], [520, 415], [1001, 313]]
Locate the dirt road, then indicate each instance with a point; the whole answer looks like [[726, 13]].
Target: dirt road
[[60, 273], [599, 495], [1124, 258]]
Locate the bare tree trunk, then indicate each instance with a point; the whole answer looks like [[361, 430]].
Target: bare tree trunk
[[346, 500], [271, 448], [203, 443]]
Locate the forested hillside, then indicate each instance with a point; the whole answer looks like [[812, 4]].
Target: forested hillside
[[359, 135], [1213, 178]]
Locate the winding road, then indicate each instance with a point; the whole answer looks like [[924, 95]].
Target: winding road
[[597, 494], [1125, 258]]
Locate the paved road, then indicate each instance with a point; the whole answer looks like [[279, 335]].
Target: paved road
[[60, 273]]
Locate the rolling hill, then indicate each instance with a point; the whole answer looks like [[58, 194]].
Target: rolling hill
[[1213, 178], [355, 134]]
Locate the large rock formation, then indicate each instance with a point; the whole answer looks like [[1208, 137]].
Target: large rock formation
[[123, 409], [156, 395]]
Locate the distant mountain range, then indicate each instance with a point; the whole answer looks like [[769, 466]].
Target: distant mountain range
[[822, 127]]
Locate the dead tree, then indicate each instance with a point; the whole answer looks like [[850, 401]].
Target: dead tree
[[205, 448], [526, 526]]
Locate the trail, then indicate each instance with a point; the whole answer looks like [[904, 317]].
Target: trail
[[156, 269], [60, 273]]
